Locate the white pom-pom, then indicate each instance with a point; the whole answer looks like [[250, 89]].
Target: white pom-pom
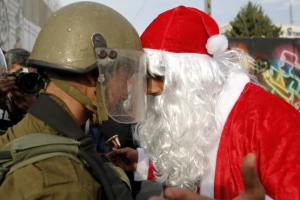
[[216, 44]]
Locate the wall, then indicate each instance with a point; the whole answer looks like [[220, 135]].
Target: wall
[[275, 62]]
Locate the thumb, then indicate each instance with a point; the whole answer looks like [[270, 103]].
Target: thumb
[[252, 184], [249, 174]]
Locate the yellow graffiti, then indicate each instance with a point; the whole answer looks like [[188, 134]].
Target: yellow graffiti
[[260, 66], [276, 82]]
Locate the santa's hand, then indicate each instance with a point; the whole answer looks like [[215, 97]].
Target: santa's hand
[[131, 154], [253, 189]]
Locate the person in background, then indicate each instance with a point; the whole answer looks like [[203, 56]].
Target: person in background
[[14, 103], [206, 114]]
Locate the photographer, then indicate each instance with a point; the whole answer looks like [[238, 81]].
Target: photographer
[[13, 101]]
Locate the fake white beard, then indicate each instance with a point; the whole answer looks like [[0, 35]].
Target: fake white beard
[[180, 125]]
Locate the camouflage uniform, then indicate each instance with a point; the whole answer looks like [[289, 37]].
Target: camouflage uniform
[[53, 178]]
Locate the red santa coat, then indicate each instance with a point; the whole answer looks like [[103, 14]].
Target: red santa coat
[[256, 121]]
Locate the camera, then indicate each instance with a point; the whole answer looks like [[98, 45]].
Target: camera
[[29, 83]]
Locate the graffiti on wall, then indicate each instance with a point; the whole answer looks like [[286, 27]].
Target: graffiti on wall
[[276, 64]]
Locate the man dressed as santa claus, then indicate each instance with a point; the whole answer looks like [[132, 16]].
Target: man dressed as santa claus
[[206, 113]]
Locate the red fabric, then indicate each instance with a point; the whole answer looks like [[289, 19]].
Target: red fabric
[[266, 125], [182, 29], [269, 127], [151, 172]]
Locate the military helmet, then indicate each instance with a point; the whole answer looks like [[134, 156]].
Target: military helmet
[[64, 42], [88, 37]]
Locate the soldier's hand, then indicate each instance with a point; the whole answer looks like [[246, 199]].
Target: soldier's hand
[[7, 85], [131, 154]]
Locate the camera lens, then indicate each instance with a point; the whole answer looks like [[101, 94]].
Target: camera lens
[[29, 83]]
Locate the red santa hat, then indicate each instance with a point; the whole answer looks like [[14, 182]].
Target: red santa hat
[[184, 30]]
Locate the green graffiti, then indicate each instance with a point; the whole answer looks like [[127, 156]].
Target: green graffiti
[[261, 65]]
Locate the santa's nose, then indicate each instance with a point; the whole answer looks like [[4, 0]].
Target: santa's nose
[[155, 85]]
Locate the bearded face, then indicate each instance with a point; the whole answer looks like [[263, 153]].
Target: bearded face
[[181, 126]]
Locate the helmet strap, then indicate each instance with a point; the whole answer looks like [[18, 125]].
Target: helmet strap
[[80, 97], [102, 114]]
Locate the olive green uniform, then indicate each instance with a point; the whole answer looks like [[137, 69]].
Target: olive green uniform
[[53, 178]]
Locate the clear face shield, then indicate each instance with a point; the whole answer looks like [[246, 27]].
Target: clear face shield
[[3, 66], [122, 79]]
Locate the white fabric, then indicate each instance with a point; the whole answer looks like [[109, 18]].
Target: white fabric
[[141, 172], [217, 44], [236, 84]]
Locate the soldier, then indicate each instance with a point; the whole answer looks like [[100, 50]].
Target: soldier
[[92, 59]]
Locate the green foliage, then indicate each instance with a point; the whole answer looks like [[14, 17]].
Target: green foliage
[[252, 22]]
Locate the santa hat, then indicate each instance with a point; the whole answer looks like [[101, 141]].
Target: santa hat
[[184, 30]]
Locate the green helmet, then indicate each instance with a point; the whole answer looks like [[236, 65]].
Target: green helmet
[[66, 43]]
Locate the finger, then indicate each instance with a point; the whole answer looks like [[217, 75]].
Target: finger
[[121, 151], [248, 171], [115, 162], [252, 185], [22, 105], [111, 154], [16, 97], [249, 175], [10, 78], [7, 86], [8, 81], [174, 193], [5, 90], [18, 94]]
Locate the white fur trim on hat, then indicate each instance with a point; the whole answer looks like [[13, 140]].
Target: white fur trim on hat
[[216, 44]]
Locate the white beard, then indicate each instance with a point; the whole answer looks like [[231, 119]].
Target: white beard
[[180, 126]]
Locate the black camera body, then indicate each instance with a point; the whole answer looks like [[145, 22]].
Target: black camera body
[[29, 83]]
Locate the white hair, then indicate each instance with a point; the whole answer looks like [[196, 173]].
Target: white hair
[[181, 126]]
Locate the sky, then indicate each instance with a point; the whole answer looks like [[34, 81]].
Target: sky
[[141, 12]]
